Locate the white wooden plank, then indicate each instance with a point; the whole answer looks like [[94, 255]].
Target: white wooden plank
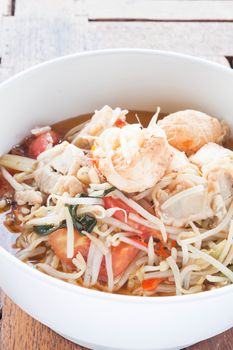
[[1, 36], [160, 10], [5, 7], [48, 7], [208, 39], [28, 41]]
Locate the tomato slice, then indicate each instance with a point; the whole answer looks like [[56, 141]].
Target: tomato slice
[[119, 123], [122, 255], [40, 143], [110, 202], [152, 283], [58, 241], [160, 250]]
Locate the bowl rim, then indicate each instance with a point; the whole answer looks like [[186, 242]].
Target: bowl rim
[[117, 51], [92, 293]]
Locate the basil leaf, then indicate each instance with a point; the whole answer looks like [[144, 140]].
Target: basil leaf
[[44, 230], [85, 223], [73, 210], [85, 195], [82, 222], [109, 190]]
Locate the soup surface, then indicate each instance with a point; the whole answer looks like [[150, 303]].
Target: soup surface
[[134, 202]]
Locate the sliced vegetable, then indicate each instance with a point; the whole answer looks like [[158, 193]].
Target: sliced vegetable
[[73, 210], [47, 229], [82, 222], [110, 202], [18, 163], [159, 250], [85, 223], [109, 190], [122, 256], [173, 243], [151, 284], [139, 241], [58, 241], [162, 251], [119, 123], [41, 142]]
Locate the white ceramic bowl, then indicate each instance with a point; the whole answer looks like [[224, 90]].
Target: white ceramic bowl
[[81, 83]]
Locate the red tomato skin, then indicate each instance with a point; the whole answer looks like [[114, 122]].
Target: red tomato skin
[[145, 232], [122, 256], [58, 241], [40, 143], [110, 202], [119, 123]]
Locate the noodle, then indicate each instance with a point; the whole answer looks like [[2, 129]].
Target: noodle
[[70, 234], [90, 257], [124, 208], [58, 274], [176, 274], [151, 252], [144, 213], [219, 266], [214, 231], [108, 260]]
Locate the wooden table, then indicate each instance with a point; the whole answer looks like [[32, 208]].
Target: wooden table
[[32, 31]]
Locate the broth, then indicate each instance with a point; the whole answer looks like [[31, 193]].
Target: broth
[[7, 241], [64, 126], [10, 231]]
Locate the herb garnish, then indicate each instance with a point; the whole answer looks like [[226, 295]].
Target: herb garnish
[[81, 222], [44, 230]]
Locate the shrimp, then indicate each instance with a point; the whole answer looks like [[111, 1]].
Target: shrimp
[[189, 130], [57, 168], [216, 164], [132, 158], [197, 188], [182, 194], [101, 120]]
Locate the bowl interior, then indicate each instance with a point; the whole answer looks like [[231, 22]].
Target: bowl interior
[[132, 79], [78, 84]]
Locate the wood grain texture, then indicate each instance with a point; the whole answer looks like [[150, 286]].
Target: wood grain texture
[[220, 342], [26, 42], [160, 10], [49, 7], [208, 39], [44, 29], [5, 7], [135, 10], [28, 334], [20, 332]]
